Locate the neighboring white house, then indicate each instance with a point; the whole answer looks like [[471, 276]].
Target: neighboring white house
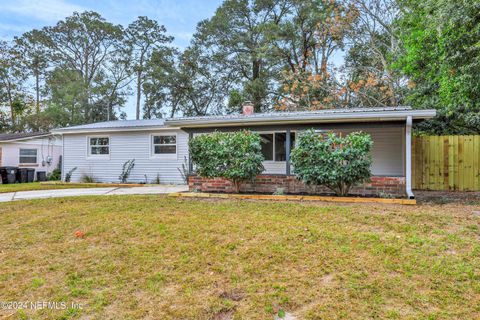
[[39, 151], [160, 146]]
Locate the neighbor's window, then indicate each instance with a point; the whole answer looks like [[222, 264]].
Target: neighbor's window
[[99, 146], [28, 156], [165, 144], [273, 145]]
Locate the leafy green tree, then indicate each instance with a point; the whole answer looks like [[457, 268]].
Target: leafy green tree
[[236, 36], [67, 95], [371, 81], [236, 156], [162, 84], [35, 60], [84, 44], [50, 116], [304, 42], [203, 82], [441, 57], [12, 81], [143, 36], [332, 161]]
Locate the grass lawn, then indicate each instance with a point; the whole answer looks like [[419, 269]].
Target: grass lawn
[[165, 258], [4, 188]]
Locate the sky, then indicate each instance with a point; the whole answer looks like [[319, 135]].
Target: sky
[[180, 17]]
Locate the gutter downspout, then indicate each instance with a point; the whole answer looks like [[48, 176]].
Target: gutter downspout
[[408, 158]]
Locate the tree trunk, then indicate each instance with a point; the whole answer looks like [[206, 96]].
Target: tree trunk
[[10, 101], [257, 99], [139, 92], [148, 108], [37, 92]]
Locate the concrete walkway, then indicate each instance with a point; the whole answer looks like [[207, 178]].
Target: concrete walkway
[[59, 193]]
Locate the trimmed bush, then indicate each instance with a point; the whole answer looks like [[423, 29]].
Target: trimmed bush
[[236, 156], [335, 162]]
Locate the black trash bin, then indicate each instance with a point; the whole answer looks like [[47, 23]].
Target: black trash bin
[[3, 175], [8, 174], [22, 175], [41, 176], [30, 175]]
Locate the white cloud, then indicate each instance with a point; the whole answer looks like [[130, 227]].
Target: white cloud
[[45, 10]]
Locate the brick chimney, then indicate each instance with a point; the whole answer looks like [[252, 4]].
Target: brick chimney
[[247, 109]]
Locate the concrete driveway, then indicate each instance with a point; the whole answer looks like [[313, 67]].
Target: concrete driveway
[[59, 193]]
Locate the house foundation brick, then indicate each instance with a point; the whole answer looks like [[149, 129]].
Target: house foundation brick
[[378, 185]]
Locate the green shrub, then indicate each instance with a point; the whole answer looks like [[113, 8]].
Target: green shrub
[[55, 175], [335, 162], [236, 156]]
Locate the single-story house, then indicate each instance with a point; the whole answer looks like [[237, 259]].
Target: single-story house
[[160, 147], [38, 150]]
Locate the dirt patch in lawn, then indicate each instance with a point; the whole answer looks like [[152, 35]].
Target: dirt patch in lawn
[[443, 197]]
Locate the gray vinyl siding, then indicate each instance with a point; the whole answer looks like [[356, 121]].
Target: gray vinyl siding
[[123, 147], [387, 152]]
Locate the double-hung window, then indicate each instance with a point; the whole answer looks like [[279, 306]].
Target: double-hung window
[[164, 145], [98, 146], [274, 145], [28, 156]]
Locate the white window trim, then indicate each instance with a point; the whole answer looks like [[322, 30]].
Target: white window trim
[[274, 144], [90, 156], [154, 155], [27, 163]]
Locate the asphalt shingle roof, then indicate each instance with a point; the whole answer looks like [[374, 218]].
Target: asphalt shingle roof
[[22, 135]]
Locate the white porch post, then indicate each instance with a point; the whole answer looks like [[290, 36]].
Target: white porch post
[[408, 158]]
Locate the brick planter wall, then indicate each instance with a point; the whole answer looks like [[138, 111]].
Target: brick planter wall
[[268, 184]]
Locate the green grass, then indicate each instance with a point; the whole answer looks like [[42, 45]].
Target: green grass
[[4, 188], [166, 258]]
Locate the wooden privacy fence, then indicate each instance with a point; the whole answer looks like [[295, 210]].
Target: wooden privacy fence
[[446, 163]]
